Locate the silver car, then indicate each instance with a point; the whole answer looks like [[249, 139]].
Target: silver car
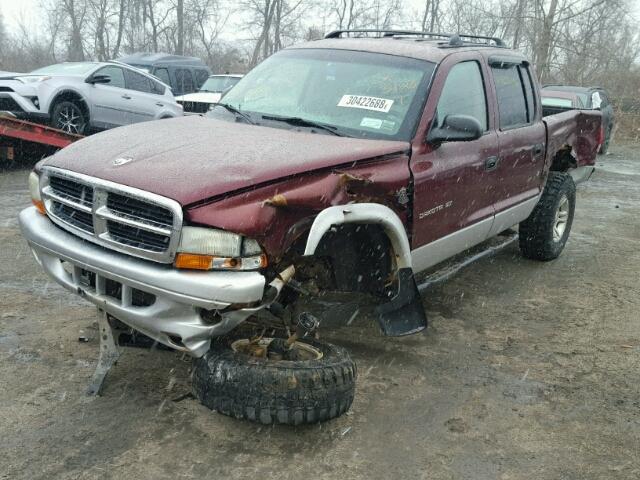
[[81, 96]]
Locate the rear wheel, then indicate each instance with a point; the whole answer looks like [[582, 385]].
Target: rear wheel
[[545, 233], [268, 381], [69, 117]]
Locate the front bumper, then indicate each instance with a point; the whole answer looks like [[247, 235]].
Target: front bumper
[[175, 316]]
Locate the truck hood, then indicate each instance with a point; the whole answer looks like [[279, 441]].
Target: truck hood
[[190, 159]]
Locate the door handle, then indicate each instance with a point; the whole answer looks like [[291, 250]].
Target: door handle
[[159, 104], [491, 163], [126, 97]]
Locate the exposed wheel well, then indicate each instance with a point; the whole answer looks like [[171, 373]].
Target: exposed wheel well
[[70, 96], [350, 258], [563, 161]]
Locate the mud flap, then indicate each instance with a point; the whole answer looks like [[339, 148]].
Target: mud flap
[[403, 314]]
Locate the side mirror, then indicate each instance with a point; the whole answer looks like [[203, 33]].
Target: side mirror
[[456, 128], [102, 79]]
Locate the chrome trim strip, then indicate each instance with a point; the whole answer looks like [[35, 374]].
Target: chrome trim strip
[[107, 214], [100, 193], [512, 216], [47, 192], [439, 250], [427, 256]]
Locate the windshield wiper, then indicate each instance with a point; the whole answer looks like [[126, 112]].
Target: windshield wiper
[[301, 122], [237, 111]]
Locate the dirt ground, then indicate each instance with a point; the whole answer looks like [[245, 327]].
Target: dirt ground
[[527, 371]]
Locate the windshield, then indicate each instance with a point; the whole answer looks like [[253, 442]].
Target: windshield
[[79, 68], [360, 94], [218, 84]]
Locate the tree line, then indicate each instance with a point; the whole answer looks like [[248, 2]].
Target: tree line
[[588, 42]]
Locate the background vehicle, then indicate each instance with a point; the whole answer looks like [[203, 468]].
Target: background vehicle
[[341, 165], [182, 74], [210, 93], [76, 97], [561, 97]]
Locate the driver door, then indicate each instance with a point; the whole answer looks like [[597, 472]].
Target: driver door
[[453, 192]]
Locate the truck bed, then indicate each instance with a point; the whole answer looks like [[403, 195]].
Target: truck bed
[[578, 129]]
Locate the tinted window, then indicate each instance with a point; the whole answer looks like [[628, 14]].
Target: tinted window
[[138, 82], [529, 93], [184, 80], [463, 94], [115, 74], [163, 74], [201, 77], [512, 104]]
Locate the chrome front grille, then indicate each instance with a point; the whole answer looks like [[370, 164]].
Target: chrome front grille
[[116, 216]]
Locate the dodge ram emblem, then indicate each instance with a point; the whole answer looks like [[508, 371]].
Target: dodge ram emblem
[[121, 161]]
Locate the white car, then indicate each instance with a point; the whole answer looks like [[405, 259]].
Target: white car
[[79, 96], [210, 93]]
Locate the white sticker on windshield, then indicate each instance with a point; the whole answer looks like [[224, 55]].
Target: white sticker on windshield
[[367, 103], [371, 123]]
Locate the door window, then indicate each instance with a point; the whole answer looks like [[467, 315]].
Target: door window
[[184, 79], [463, 94], [512, 103], [138, 82], [115, 74]]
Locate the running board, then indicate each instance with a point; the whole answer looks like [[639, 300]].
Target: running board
[[449, 270]]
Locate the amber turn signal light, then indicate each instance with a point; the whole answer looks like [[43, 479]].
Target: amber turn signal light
[[193, 261], [39, 204]]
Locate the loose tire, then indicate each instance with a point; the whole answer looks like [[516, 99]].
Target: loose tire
[[69, 117], [544, 234], [275, 391]]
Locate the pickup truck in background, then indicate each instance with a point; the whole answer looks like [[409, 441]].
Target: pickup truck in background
[[348, 164]]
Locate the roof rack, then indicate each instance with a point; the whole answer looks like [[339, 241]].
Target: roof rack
[[455, 39]]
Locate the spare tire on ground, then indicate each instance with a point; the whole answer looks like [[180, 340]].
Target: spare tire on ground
[[312, 382]]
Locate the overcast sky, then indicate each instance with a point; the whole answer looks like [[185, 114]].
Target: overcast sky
[[14, 10]]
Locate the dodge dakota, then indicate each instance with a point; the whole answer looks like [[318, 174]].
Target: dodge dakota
[[348, 164]]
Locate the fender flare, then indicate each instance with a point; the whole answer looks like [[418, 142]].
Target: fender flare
[[363, 213], [67, 90]]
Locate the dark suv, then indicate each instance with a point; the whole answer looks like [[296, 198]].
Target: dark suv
[[183, 74], [567, 96]]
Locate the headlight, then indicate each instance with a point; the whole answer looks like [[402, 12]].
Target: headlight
[[211, 249], [34, 190], [33, 79]]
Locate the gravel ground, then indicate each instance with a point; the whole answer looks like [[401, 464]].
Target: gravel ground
[[528, 370]]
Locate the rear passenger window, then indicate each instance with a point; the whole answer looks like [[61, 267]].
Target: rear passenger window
[[512, 104], [157, 88], [137, 82], [463, 77], [184, 80]]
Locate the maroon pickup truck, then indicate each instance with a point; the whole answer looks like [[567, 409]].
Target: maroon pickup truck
[[348, 164]]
